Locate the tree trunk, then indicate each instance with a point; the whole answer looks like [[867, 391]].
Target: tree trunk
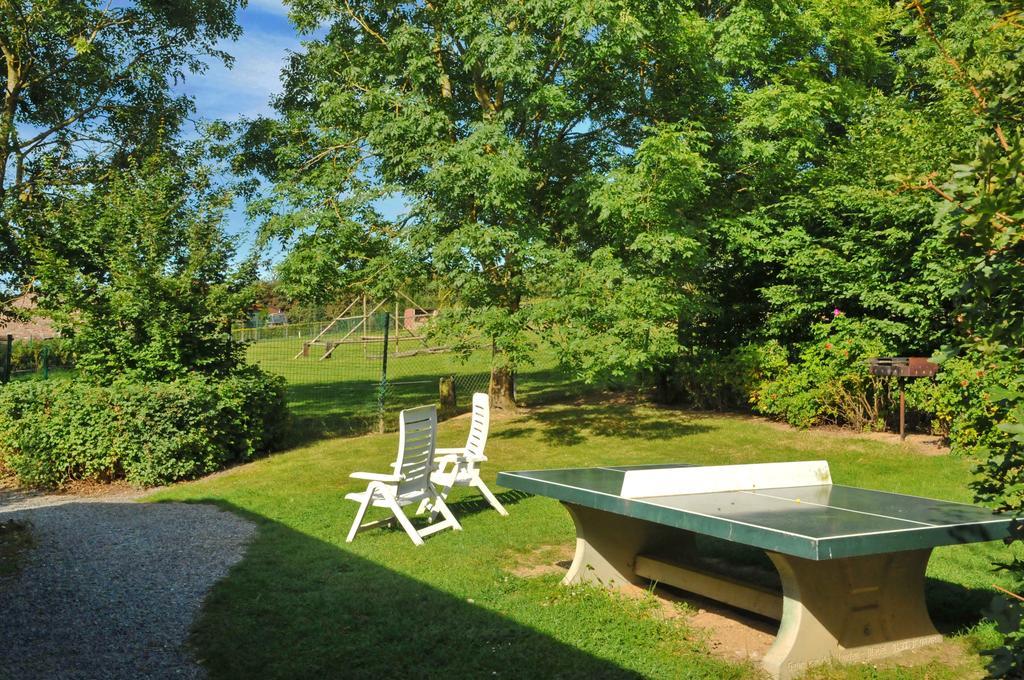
[[665, 389], [502, 389], [446, 396], [8, 131]]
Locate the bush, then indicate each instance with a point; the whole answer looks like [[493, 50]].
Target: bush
[[723, 381], [829, 383], [153, 304], [52, 432], [981, 395], [963, 401]]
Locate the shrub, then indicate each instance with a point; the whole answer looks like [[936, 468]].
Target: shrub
[[150, 433], [963, 403], [153, 303], [829, 383], [991, 427], [723, 381]]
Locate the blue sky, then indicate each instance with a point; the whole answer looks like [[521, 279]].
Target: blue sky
[[245, 89]]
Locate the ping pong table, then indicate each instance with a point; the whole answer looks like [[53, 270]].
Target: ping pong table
[[851, 561]]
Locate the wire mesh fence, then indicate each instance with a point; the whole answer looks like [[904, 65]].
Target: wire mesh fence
[[352, 375], [344, 376], [23, 359]]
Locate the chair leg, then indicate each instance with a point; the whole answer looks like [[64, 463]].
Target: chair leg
[[491, 498], [447, 482], [442, 507], [404, 521], [360, 513], [443, 487]]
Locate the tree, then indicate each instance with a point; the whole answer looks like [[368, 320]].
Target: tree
[[143, 284], [643, 185], [980, 212], [495, 124], [86, 85]]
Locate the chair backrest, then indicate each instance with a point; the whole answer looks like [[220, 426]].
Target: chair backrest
[[479, 425], [417, 428]]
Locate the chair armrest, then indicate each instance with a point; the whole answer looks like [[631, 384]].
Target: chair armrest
[[441, 461], [445, 452], [375, 477]]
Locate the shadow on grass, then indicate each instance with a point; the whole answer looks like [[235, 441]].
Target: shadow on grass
[[462, 508], [567, 427], [349, 407], [544, 387], [953, 607], [300, 607], [476, 504], [297, 606]]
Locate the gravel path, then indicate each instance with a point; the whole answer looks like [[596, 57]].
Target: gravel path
[[112, 586]]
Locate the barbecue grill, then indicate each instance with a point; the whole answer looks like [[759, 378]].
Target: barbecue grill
[[903, 367]]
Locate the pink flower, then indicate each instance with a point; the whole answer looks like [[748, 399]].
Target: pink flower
[[837, 312]]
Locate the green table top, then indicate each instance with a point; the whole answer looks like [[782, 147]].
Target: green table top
[[815, 522]]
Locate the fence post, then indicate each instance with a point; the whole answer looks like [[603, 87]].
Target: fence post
[[229, 345], [7, 358], [46, 361], [383, 387]]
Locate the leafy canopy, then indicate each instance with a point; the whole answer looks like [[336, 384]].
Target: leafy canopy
[[143, 282], [497, 125], [85, 85]]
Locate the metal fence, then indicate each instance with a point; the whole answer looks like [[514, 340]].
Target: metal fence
[[22, 359], [354, 375], [342, 377]]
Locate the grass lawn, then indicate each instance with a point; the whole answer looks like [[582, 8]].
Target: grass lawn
[[303, 603], [339, 395]]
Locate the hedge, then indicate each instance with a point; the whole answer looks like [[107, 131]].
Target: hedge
[[56, 431]]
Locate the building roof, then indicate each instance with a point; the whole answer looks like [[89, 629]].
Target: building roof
[[32, 327]]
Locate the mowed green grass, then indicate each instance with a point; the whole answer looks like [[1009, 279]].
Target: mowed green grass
[[339, 395], [486, 601]]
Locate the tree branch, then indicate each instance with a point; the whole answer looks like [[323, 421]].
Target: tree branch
[[1002, 219], [98, 99], [961, 74], [366, 27]]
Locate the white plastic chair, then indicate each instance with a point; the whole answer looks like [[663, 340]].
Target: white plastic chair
[[460, 467], [409, 482]]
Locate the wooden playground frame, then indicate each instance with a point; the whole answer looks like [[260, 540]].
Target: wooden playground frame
[[369, 309]]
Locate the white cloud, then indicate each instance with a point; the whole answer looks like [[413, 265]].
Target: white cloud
[[246, 88]]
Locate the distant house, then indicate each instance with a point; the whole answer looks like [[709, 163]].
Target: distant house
[[269, 316], [33, 326], [415, 318]]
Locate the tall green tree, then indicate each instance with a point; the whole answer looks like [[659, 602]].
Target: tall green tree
[[145, 285], [645, 185], [86, 85], [981, 212], [496, 124]]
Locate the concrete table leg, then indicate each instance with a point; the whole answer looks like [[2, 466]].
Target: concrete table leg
[[851, 609], [607, 545]]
